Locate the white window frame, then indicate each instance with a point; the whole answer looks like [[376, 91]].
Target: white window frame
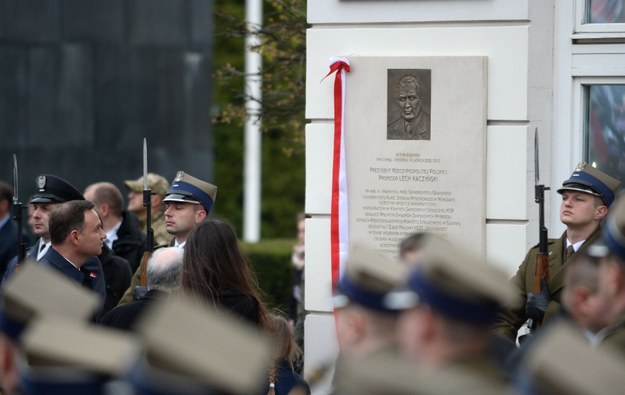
[[585, 30]]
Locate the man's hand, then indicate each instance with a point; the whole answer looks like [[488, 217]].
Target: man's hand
[[537, 303]]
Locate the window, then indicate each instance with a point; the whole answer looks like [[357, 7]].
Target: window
[[594, 16], [604, 127]]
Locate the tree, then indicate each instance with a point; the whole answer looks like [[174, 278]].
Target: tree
[[283, 99]]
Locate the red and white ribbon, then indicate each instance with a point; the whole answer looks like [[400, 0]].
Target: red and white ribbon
[[338, 213]]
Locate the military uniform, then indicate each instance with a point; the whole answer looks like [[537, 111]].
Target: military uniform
[[523, 282], [184, 189]]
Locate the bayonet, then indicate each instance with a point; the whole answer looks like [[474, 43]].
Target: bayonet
[[542, 259], [147, 203]]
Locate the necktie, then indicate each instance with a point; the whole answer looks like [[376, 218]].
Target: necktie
[[569, 252]]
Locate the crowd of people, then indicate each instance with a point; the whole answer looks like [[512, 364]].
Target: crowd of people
[[90, 311]]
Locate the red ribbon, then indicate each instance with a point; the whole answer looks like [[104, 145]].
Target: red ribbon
[[337, 67]]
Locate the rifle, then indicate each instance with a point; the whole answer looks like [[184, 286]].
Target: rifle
[[542, 259], [147, 203], [17, 215]]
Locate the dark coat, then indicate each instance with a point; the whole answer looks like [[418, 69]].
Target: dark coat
[[8, 244], [117, 276], [90, 274], [130, 243], [124, 317], [31, 253]]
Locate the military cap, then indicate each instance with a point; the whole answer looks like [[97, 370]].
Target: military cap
[[53, 189], [588, 179], [455, 283], [156, 183], [188, 189], [190, 347], [562, 362], [369, 276], [73, 357], [36, 290]]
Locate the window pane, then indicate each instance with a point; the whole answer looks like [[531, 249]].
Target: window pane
[[605, 129], [605, 11]]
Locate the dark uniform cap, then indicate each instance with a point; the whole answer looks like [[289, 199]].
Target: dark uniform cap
[[562, 362], [190, 348], [157, 184], [593, 181], [24, 298], [455, 283], [369, 276], [71, 356], [53, 189], [188, 189]]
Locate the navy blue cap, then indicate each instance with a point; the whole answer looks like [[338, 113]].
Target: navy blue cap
[[593, 181], [53, 189], [369, 276], [188, 189], [455, 283], [479, 310]]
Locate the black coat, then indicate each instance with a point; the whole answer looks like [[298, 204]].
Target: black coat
[[8, 244], [130, 243], [90, 274], [125, 316], [117, 274]]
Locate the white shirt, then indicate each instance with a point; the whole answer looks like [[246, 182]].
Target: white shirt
[[111, 235], [42, 248]]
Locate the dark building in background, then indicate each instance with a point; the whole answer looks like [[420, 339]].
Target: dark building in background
[[83, 81]]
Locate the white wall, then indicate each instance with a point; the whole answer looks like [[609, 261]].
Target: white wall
[[513, 34]]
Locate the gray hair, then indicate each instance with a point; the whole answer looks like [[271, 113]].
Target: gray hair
[[164, 268]]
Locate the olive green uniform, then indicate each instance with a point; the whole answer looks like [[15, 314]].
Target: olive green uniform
[[511, 320], [161, 237]]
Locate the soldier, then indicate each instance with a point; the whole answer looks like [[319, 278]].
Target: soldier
[[586, 197], [452, 299], [611, 289], [188, 201], [364, 323], [159, 186]]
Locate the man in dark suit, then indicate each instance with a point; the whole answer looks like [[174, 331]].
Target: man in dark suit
[[123, 234], [51, 191], [77, 236], [164, 269]]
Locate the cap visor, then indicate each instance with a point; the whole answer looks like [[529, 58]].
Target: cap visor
[[176, 197], [133, 185], [578, 189]]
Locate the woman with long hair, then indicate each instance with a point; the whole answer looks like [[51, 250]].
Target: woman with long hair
[[215, 270]]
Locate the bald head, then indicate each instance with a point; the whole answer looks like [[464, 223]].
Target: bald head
[[107, 193], [164, 269]]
